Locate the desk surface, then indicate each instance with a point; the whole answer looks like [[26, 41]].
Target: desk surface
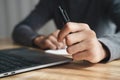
[[72, 71]]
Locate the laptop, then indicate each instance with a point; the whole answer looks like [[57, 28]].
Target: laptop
[[18, 60]]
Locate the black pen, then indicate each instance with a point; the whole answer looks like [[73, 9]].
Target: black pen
[[64, 14]]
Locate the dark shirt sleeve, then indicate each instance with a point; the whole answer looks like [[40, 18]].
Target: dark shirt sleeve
[[25, 31], [112, 42]]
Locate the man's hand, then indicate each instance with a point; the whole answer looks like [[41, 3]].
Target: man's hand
[[49, 42], [82, 42]]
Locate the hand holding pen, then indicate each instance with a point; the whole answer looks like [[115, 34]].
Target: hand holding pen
[[81, 41]]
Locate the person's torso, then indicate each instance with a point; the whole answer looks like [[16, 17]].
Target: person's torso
[[93, 12]]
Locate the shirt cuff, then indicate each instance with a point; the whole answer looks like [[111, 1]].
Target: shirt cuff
[[110, 47]]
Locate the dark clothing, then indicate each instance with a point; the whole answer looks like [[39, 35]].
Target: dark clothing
[[103, 16]]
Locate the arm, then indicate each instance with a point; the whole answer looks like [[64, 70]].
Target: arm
[[25, 32], [112, 42]]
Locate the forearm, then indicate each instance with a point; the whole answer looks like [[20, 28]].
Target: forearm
[[112, 42], [26, 31], [24, 35]]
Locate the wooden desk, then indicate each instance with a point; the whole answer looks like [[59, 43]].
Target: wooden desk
[[72, 71]]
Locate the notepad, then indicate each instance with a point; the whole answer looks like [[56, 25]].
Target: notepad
[[58, 52]]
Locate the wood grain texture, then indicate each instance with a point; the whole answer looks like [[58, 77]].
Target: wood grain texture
[[72, 71]]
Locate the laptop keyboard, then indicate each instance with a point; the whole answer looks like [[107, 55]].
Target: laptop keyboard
[[17, 59], [8, 62]]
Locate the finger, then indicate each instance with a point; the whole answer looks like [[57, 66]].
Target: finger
[[62, 45], [55, 34], [47, 44], [76, 48], [54, 41], [76, 37], [69, 28], [81, 56], [59, 45]]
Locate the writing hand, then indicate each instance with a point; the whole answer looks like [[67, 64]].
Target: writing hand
[[82, 42]]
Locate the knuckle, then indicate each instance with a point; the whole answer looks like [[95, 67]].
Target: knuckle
[[50, 37], [68, 26], [46, 41], [86, 26], [68, 23], [91, 33]]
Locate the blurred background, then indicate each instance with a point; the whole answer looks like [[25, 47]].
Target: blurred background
[[13, 11]]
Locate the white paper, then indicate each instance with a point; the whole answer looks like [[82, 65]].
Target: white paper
[[58, 52]]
